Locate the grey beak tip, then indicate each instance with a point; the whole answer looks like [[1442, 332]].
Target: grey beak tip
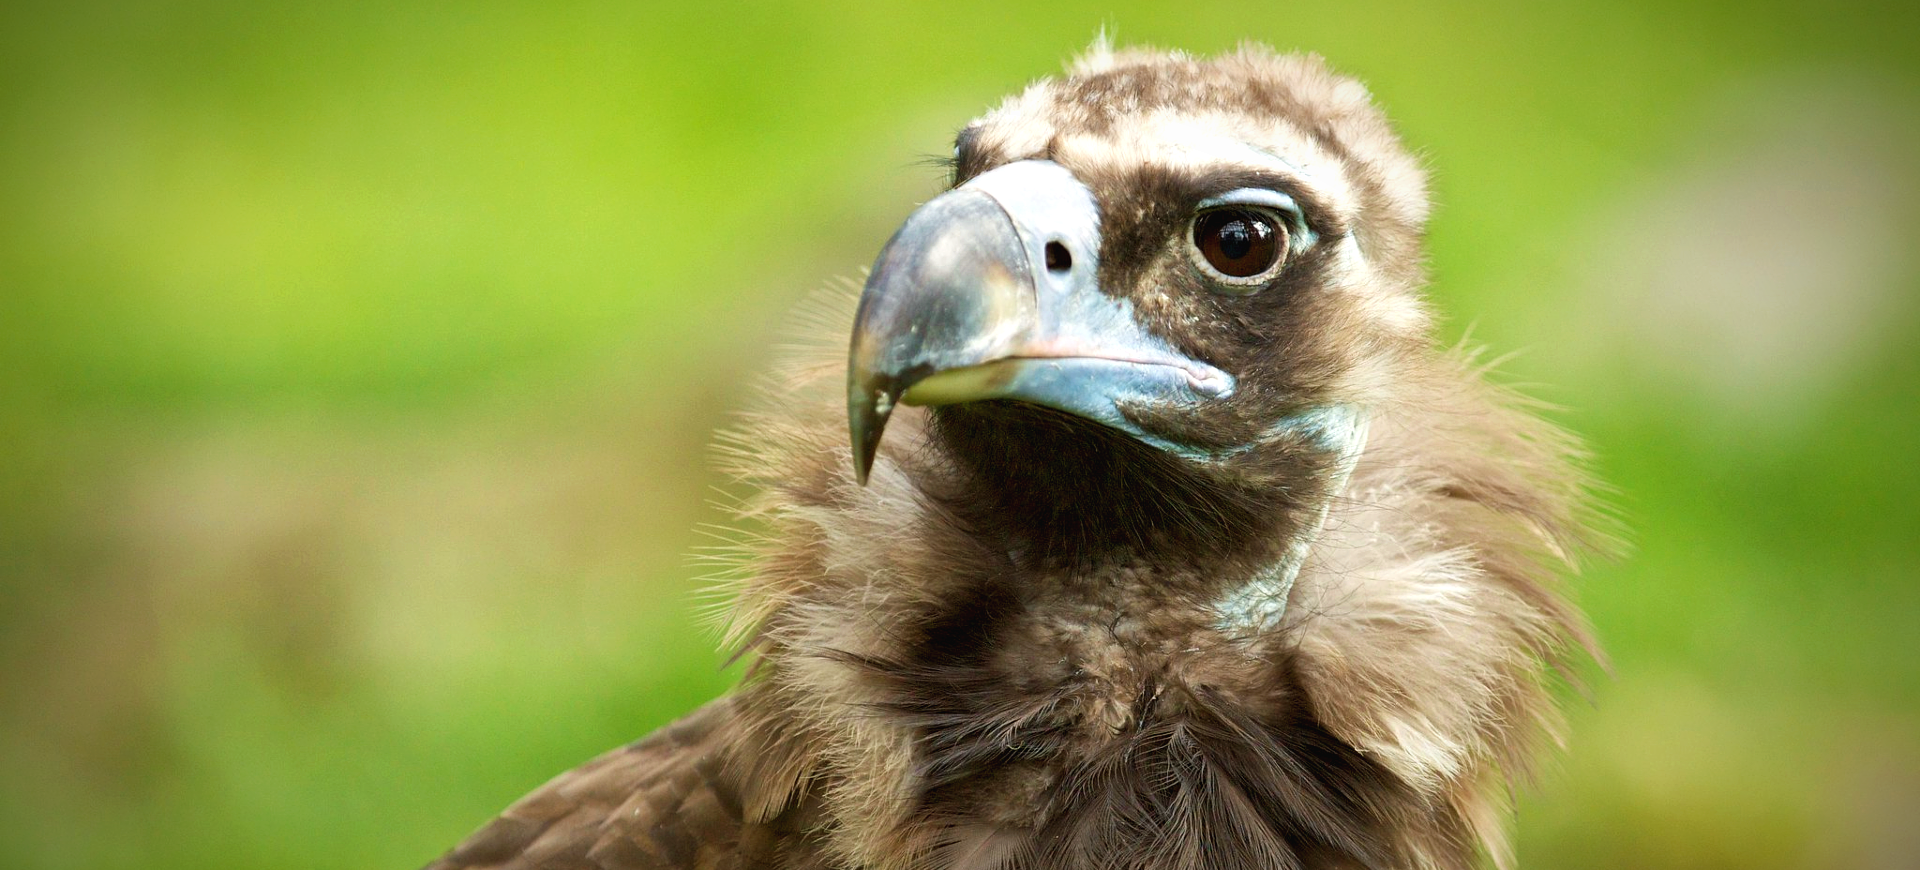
[[863, 453], [869, 407]]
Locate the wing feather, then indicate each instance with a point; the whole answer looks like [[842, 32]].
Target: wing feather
[[671, 801]]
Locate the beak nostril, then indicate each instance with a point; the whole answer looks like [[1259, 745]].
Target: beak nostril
[[1058, 260]]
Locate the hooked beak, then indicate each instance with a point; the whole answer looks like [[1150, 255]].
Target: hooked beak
[[990, 291]]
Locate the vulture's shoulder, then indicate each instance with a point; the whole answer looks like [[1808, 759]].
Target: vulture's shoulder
[[677, 800]]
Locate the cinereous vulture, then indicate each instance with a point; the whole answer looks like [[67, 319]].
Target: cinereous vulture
[[1171, 537]]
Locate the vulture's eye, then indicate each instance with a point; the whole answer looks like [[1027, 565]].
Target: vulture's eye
[[1241, 248]]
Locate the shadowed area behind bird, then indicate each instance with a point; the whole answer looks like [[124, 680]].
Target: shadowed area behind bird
[[357, 366]]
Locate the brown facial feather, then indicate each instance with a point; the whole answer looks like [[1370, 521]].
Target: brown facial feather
[[1006, 650]]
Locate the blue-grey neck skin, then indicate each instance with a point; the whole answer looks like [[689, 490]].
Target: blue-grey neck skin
[[1257, 606]]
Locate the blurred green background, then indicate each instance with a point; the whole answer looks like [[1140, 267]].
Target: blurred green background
[[357, 362]]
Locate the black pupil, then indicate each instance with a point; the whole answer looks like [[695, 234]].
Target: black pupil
[[1236, 240], [1241, 244]]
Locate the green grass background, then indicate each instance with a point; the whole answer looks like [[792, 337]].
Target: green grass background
[[357, 362]]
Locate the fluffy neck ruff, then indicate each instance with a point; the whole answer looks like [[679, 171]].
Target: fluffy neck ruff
[[957, 671]]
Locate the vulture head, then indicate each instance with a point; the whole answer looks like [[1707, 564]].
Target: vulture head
[[1170, 537], [1156, 313]]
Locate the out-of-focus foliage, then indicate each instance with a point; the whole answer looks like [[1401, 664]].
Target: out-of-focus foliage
[[357, 362]]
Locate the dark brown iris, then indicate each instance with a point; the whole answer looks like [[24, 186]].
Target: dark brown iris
[[1239, 243]]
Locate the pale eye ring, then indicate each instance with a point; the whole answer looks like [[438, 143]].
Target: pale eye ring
[[1239, 247]]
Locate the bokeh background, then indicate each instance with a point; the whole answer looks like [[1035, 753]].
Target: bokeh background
[[358, 362]]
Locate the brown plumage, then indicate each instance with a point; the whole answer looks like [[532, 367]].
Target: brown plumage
[[1308, 620]]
